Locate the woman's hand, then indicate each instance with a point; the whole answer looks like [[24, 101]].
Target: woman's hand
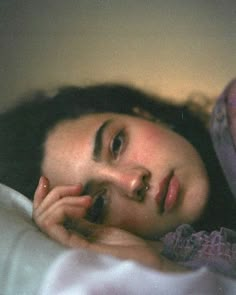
[[57, 210], [60, 213]]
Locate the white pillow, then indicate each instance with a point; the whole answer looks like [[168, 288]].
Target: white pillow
[[31, 263], [26, 253]]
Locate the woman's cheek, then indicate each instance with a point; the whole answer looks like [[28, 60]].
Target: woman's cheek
[[124, 215], [143, 146]]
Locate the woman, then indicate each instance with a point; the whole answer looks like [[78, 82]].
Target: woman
[[112, 172]]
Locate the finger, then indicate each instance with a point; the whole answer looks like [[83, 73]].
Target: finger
[[79, 202], [41, 191], [71, 214], [58, 193], [61, 212], [59, 216], [89, 230], [67, 238], [54, 225], [55, 229]]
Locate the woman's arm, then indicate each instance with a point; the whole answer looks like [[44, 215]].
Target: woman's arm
[[60, 213]]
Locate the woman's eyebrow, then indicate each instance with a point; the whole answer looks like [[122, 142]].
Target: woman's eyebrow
[[98, 141]]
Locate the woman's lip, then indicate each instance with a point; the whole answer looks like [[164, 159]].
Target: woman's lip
[[168, 192], [172, 193], [163, 188]]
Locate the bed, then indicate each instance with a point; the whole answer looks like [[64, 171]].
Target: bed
[[31, 263]]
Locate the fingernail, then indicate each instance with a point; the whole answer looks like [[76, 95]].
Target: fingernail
[[43, 182], [40, 181], [79, 186]]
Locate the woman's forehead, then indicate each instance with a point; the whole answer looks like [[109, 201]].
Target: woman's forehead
[[71, 144], [83, 126], [69, 132]]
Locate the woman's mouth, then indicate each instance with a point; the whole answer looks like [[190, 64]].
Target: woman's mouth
[[167, 196]]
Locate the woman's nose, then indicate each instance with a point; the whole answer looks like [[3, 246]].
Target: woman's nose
[[131, 181]]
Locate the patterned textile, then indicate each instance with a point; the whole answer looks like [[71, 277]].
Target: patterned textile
[[215, 250], [223, 133]]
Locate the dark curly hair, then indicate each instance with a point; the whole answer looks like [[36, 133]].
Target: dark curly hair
[[24, 129]]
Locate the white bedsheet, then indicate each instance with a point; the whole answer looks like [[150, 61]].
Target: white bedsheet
[[31, 263], [80, 272]]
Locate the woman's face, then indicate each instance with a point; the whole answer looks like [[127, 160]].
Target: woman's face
[[143, 177]]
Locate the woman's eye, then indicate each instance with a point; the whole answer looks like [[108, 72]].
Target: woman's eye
[[97, 211], [117, 144]]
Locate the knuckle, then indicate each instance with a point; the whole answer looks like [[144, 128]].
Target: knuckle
[[45, 223], [56, 192]]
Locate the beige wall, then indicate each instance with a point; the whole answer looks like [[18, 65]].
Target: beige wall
[[169, 47]]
